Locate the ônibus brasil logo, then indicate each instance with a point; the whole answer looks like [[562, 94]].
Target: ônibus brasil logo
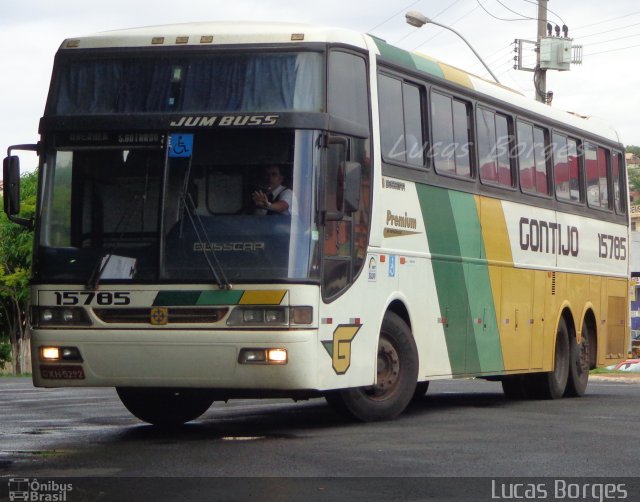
[[38, 491]]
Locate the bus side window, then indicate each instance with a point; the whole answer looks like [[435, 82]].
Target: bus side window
[[401, 131], [597, 179], [451, 124], [566, 168], [618, 183], [532, 158], [493, 148]]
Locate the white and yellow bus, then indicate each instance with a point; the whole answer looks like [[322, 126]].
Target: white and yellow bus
[[440, 226]]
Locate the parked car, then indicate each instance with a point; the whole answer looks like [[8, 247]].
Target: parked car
[[630, 365], [635, 342]]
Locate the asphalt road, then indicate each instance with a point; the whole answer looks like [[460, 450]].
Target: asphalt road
[[460, 429]]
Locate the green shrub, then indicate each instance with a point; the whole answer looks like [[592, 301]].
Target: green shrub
[[5, 354]]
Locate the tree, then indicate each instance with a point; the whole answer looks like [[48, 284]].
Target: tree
[[634, 179], [633, 149], [16, 243]]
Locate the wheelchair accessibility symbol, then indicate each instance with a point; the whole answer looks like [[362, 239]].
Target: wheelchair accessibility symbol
[[180, 145]]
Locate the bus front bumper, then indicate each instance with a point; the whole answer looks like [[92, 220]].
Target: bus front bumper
[[146, 358]]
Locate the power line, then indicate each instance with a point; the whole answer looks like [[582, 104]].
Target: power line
[[496, 56], [496, 17], [609, 31], [500, 51], [434, 17], [612, 50], [615, 39], [606, 21], [548, 10], [518, 13], [393, 16], [441, 31], [445, 10]]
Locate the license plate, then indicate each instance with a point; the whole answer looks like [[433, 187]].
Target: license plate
[[62, 372]]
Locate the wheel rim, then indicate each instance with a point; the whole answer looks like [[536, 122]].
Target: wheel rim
[[388, 372]]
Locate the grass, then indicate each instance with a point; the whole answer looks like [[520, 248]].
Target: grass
[[604, 371]]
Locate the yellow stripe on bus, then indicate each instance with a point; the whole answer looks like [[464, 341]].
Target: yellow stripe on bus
[[263, 297]]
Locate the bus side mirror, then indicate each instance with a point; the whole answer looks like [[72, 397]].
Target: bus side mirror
[[11, 177], [352, 180]]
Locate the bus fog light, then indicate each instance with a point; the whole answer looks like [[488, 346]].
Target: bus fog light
[[248, 356], [277, 356], [50, 353], [67, 315], [70, 354]]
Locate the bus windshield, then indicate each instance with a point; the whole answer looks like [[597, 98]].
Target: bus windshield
[[230, 82], [140, 214]]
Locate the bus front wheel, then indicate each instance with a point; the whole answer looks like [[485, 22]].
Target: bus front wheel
[[165, 407], [397, 373]]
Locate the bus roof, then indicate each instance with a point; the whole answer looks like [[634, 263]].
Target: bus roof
[[232, 33], [216, 33]]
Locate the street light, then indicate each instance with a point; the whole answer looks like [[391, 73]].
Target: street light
[[417, 19]]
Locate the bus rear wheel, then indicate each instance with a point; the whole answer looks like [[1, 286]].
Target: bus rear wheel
[[165, 407], [552, 385], [397, 373]]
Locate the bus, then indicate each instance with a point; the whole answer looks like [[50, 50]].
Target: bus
[[440, 226]]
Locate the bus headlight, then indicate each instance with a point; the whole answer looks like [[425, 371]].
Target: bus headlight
[[258, 316], [45, 317], [270, 316]]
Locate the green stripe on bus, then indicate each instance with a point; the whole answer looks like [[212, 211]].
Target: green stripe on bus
[[220, 297], [449, 274], [427, 66], [463, 286], [409, 59], [482, 313], [176, 298]]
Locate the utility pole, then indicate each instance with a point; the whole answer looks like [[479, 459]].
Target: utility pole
[[540, 75], [553, 52]]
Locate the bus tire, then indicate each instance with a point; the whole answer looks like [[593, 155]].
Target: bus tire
[[397, 373], [165, 407], [579, 362], [552, 384]]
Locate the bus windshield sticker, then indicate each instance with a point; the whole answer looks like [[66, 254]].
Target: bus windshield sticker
[[180, 145]]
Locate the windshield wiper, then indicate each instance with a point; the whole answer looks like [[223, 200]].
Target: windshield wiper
[[203, 239]]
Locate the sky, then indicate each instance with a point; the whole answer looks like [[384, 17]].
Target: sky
[[606, 85]]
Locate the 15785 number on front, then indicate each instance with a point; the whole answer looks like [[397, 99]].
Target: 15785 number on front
[[69, 298]]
